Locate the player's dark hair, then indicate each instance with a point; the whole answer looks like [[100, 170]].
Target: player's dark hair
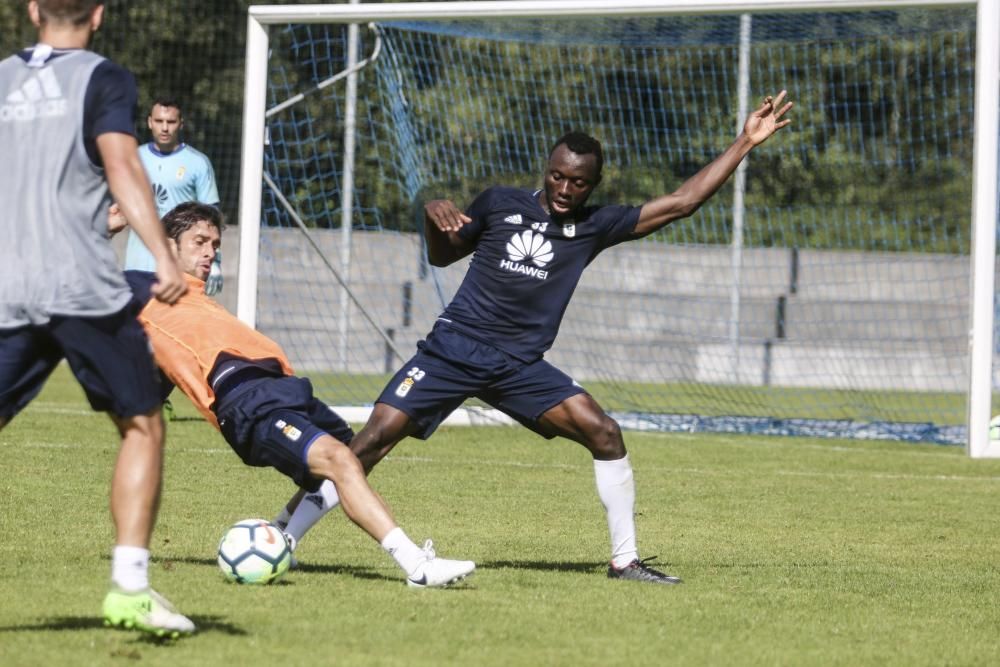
[[167, 101], [581, 144], [76, 12], [185, 216]]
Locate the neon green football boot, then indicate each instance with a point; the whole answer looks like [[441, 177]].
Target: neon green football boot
[[147, 611]]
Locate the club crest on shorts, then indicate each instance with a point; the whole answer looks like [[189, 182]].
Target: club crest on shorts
[[404, 387], [288, 430], [413, 376]]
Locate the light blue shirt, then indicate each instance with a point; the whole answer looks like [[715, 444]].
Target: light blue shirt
[[181, 176]]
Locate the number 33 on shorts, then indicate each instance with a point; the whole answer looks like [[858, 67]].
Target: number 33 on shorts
[[413, 376]]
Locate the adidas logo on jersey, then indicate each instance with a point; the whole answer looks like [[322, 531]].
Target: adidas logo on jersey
[[38, 97], [513, 219], [525, 247]]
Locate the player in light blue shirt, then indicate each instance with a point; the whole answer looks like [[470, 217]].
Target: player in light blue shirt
[[178, 173]]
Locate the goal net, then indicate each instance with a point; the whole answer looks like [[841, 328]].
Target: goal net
[[825, 292]]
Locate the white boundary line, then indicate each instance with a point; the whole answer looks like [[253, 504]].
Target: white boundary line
[[586, 467]]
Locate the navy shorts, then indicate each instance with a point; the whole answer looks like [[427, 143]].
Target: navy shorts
[[450, 367], [272, 422], [110, 357]]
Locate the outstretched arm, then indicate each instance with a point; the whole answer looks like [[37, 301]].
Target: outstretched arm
[[695, 191], [442, 220]]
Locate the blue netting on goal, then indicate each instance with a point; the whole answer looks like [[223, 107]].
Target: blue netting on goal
[[846, 312]]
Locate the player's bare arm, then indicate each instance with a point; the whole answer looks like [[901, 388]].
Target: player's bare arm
[[761, 124], [129, 185], [442, 220]]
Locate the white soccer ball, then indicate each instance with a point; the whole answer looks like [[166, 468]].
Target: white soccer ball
[[995, 428], [254, 551]]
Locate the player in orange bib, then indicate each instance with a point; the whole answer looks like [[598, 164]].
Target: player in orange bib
[[243, 384]]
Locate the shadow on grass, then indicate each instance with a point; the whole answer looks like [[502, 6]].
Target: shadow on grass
[[324, 568], [588, 567], [359, 572], [348, 570], [166, 562], [74, 623], [543, 566]]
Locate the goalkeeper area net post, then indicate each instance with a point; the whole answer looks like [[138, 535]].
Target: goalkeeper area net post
[[799, 354]]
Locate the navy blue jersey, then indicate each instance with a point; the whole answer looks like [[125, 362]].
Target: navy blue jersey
[[526, 267]]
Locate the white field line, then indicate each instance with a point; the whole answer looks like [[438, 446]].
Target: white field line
[[889, 476], [586, 467], [47, 408], [474, 416], [789, 442], [39, 445], [713, 472], [111, 442]]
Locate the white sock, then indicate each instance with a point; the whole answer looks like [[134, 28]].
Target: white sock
[[281, 521], [311, 509], [130, 568], [402, 549], [616, 488]]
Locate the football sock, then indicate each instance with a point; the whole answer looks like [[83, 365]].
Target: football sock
[[616, 488], [311, 509], [130, 568], [402, 549], [281, 521]]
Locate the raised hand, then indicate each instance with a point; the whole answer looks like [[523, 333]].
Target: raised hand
[[170, 284], [445, 215], [767, 119]]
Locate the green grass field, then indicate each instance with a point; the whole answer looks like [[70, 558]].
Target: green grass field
[[793, 551]]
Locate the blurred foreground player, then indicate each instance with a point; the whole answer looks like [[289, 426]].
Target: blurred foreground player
[[66, 127]]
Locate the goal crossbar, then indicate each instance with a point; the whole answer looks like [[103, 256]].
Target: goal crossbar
[[356, 13]]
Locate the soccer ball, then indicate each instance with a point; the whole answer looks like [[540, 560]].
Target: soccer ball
[[995, 428], [254, 551]]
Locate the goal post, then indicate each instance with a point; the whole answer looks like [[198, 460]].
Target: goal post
[[984, 229], [982, 250]]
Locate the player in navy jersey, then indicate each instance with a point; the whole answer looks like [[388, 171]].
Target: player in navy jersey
[[529, 251], [67, 119]]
